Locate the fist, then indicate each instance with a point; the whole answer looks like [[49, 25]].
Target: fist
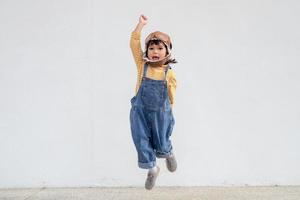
[[143, 19]]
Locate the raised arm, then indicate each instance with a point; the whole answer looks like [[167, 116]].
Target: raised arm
[[135, 42]]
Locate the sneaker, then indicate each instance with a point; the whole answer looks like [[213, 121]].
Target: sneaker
[[171, 163], [151, 178]]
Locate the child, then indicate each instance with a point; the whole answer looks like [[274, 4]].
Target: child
[[151, 117]]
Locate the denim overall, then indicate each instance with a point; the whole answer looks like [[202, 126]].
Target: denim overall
[[151, 121]]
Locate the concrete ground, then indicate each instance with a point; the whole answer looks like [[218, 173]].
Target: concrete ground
[[165, 193]]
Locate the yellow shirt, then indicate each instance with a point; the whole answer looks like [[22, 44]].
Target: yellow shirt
[[157, 73]]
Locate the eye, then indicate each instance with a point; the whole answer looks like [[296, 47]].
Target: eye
[[160, 48], [150, 48]]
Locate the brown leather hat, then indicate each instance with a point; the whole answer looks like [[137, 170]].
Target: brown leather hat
[[160, 36], [165, 38]]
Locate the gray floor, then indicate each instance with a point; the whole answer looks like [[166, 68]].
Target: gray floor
[[165, 193]]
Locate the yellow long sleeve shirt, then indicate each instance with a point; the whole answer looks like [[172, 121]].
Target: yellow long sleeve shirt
[[157, 73]]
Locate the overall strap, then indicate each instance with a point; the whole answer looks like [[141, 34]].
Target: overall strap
[[146, 67], [166, 71], [145, 70]]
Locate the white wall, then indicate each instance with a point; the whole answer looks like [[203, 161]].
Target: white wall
[[67, 75]]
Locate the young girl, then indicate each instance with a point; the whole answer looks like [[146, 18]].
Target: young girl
[[151, 117]]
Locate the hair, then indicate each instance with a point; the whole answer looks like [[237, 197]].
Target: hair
[[157, 42]]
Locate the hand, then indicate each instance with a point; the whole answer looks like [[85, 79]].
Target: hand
[[143, 20]]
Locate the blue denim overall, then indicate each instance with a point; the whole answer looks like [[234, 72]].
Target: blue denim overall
[[151, 121]]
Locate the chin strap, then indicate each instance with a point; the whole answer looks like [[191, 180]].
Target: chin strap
[[156, 62]]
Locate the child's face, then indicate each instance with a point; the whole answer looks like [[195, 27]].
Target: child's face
[[157, 51]]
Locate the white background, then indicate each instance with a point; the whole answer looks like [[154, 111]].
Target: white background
[[67, 75]]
